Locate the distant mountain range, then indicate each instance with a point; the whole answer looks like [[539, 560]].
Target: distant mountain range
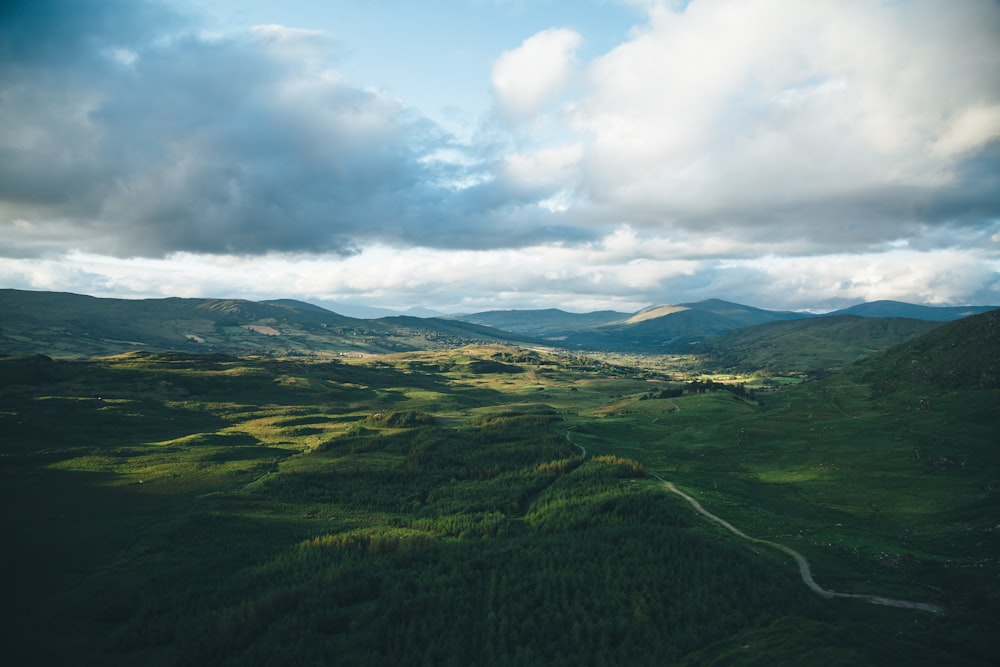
[[912, 311], [73, 325], [63, 324], [680, 328]]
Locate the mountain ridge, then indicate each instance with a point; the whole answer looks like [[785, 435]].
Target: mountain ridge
[[812, 346], [66, 324], [82, 325], [889, 308]]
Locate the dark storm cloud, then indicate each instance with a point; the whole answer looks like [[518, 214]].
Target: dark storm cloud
[[125, 132]]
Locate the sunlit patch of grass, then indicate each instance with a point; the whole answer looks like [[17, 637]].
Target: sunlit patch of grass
[[269, 454], [787, 476]]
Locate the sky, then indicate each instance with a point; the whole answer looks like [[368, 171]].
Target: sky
[[470, 155]]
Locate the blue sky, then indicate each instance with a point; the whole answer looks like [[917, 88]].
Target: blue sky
[[436, 56], [466, 155]]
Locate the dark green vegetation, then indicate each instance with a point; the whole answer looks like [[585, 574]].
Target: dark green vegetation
[[653, 330], [72, 325], [807, 342], [429, 507], [814, 346], [913, 311]]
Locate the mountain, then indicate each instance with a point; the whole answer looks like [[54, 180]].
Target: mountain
[[682, 328], [912, 311], [63, 324], [547, 323], [656, 329], [363, 312], [813, 346], [964, 354], [738, 314], [673, 328], [296, 304], [74, 325]]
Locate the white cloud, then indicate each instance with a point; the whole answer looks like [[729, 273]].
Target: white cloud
[[743, 108], [851, 144], [943, 277], [624, 271], [536, 73], [543, 170], [968, 130]]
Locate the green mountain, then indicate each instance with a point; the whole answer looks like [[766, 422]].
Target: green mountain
[[813, 346], [73, 325], [964, 354], [546, 323], [487, 505], [682, 328], [885, 475], [673, 329], [741, 315], [913, 311], [656, 329]]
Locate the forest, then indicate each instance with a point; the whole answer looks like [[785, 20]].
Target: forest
[[476, 506]]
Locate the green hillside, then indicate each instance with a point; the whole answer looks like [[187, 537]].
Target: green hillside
[[500, 505], [77, 326], [550, 322], [435, 507], [814, 346], [661, 329], [959, 355], [887, 308], [885, 475], [195, 510], [674, 332]]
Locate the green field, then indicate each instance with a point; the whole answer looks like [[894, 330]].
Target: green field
[[430, 508]]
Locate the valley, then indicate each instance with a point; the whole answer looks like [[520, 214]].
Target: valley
[[490, 503]]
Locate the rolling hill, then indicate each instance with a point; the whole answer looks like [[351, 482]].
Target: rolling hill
[[547, 323], [682, 328], [671, 329], [488, 505], [813, 346], [964, 354], [913, 311], [72, 325], [656, 329]]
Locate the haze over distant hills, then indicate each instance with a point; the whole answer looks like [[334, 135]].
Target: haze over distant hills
[[676, 328], [913, 311], [63, 324]]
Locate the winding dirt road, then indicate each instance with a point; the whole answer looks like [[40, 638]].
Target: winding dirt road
[[804, 570]]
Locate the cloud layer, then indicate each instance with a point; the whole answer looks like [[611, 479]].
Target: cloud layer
[[844, 143], [839, 122], [145, 144]]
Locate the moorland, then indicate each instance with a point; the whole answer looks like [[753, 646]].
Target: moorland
[[500, 501]]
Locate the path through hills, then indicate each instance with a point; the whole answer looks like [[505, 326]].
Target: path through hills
[[804, 569]]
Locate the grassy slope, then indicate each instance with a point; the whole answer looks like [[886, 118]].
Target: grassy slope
[[909, 310], [814, 346], [542, 323], [885, 475], [672, 329], [214, 511], [77, 326], [186, 491], [653, 330]]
